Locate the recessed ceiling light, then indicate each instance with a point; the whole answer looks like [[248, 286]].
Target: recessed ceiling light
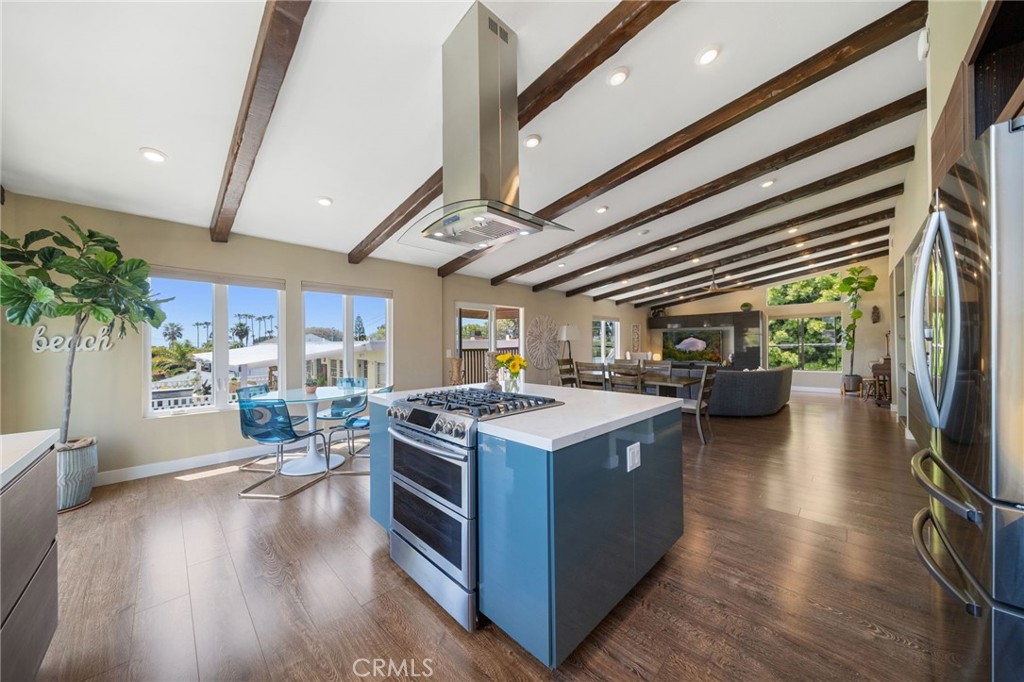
[[798, 244], [154, 155], [673, 248], [706, 56], [644, 233], [625, 281], [647, 288], [768, 183], [792, 230], [324, 201], [601, 209], [854, 243], [618, 76], [561, 265], [531, 141], [439, 234], [479, 218], [482, 245], [806, 255], [524, 233], [695, 260]]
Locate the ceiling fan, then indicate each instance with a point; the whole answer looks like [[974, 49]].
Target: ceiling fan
[[713, 288]]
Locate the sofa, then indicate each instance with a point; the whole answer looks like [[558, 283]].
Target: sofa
[[739, 393]]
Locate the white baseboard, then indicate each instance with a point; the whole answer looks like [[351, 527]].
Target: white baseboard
[[173, 465], [815, 389]]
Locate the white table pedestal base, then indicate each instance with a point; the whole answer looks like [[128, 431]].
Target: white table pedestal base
[[313, 463]]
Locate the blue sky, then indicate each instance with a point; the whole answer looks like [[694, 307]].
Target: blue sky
[[193, 302]]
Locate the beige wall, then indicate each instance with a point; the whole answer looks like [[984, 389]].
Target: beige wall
[[870, 337], [109, 395], [109, 391], [912, 205], [578, 310]]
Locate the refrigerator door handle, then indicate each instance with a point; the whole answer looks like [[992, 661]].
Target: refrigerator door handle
[[963, 509], [919, 294], [938, 227], [920, 519]]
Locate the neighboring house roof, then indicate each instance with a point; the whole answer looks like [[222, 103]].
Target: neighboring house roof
[[265, 354]]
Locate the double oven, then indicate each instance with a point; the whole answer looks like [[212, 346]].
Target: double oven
[[433, 506]]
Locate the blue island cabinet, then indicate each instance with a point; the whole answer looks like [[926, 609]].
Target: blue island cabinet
[[563, 536], [380, 466]]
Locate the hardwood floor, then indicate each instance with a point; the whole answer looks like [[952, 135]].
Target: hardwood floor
[[796, 564]]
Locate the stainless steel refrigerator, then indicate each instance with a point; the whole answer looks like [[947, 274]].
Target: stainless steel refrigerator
[[966, 338]]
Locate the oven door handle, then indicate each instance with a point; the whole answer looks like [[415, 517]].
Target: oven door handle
[[438, 452]]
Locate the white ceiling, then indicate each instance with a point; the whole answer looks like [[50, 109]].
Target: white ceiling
[[359, 117]]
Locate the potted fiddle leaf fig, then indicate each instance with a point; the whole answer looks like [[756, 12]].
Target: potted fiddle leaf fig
[[854, 285], [81, 275]]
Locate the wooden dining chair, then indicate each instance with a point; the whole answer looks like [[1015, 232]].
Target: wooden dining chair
[[590, 375], [567, 372], [699, 406], [625, 377]]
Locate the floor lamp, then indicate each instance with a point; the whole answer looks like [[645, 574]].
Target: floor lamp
[[568, 333]]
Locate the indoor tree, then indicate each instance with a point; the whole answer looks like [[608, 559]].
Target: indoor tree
[[80, 276], [854, 285]]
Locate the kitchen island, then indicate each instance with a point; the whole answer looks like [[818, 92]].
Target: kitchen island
[[575, 504]]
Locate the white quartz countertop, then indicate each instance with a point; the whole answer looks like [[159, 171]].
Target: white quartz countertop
[[585, 414], [19, 450]]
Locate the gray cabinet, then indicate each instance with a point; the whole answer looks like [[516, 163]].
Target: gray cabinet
[[28, 582]]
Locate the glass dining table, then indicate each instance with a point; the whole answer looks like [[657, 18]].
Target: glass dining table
[[313, 462]]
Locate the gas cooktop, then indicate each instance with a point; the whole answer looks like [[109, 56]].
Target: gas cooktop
[[480, 403]]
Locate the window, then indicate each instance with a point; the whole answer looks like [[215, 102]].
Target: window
[[331, 352], [807, 343], [813, 290], [605, 340], [219, 335], [483, 328]]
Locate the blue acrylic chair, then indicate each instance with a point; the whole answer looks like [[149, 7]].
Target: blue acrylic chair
[[350, 426], [246, 392], [267, 422], [348, 406]]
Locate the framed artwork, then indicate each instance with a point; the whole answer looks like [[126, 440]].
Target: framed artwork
[[636, 339]]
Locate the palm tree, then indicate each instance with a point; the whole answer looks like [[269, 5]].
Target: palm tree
[[206, 327], [197, 325], [175, 359], [173, 331], [241, 332]]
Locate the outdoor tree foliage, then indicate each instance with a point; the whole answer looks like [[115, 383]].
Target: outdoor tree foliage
[[327, 333], [79, 276], [381, 334], [173, 331], [821, 289], [358, 330]]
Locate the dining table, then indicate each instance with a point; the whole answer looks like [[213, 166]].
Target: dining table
[[667, 383], [313, 462]]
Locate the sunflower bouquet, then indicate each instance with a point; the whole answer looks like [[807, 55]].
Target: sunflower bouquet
[[513, 364]]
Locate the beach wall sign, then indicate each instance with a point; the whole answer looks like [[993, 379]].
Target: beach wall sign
[[58, 343]]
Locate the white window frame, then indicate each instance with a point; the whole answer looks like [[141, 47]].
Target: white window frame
[[348, 294], [219, 370], [617, 337]]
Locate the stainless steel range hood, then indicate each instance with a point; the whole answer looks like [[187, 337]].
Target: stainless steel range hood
[[480, 138]]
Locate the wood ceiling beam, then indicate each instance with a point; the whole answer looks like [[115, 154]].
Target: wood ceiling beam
[[606, 38], [838, 264], [825, 184], [783, 272], [833, 137], [785, 261], [275, 45], [894, 26], [782, 258], [838, 228]]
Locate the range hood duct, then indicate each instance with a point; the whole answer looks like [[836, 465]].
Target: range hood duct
[[480, 138]]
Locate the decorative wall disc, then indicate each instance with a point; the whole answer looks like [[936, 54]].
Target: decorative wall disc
[[542, 342]]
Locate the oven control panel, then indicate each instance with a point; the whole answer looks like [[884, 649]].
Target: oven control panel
[[455, 428]]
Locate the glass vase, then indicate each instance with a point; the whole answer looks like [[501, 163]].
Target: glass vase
[[509, 381]]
